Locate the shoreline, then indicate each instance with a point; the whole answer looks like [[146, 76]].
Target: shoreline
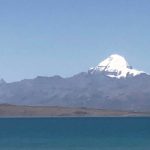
[[15, 111]]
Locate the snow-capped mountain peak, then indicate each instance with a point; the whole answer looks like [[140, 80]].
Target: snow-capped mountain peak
[[115, 66]]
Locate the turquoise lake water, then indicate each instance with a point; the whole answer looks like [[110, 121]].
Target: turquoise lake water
[[75, 134]]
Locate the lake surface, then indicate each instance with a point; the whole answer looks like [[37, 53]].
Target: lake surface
[[75, 134]]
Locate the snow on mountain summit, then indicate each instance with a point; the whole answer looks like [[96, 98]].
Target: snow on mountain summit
[[115, 66]]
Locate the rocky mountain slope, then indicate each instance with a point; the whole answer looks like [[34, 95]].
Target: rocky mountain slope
[[112, 85]]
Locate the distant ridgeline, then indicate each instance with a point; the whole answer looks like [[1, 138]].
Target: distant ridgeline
[[112, 85]]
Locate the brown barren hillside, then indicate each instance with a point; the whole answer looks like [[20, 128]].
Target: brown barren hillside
[[43, 111]]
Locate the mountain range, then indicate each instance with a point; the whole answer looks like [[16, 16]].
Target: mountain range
[[113, 85]]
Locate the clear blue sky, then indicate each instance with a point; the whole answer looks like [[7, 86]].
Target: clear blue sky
[[65, 37]]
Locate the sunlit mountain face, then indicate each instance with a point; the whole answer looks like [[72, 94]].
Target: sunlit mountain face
[[113, 84]]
